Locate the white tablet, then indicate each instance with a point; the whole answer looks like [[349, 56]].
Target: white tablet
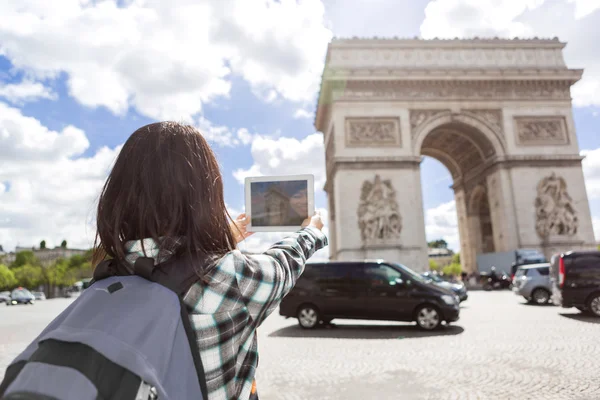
[[279, 203]]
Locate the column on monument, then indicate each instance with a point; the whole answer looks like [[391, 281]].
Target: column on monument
[[467, 247], [502, 211], [380, 214], [552, 208]]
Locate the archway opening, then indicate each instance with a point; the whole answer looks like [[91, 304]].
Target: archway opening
[[465, 152]]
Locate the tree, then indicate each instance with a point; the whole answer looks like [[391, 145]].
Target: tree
[[43, 244], [7, 278], [456, 258], [438, 244], [29, 276], [24, 258], [433, 266], [63, 244], [452, 269]]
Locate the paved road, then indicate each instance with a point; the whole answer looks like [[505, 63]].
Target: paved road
[[500, 349]]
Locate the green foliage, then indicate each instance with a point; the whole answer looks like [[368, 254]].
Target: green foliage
[[43, 244], [456, 258], [29, 276], [63, 244], [24, 258], [7, 278], [438, 244], [452, 269], [28, 272], [433, 266]]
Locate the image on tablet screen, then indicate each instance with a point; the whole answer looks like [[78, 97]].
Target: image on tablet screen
[[279, 203]]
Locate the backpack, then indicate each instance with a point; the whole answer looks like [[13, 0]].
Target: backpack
[[127, 337]]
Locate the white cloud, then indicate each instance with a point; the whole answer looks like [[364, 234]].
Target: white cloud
[[301, 113], [441, 223], [167, 60], [287, 156], [25, 91], [48, 189], [596, 226], [591, 171], [585, 7], [223, 136], [573, 21]]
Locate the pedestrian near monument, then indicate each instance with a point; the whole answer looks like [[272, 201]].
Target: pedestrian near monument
[[166, 245]]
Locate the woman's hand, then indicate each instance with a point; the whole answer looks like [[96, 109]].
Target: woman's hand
[[315, 221], [238, 227]]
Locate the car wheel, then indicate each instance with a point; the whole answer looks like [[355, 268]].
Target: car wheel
[[308, 316], [593, 304], [428, 317], [540, 296]]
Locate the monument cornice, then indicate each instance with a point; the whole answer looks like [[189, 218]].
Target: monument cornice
[[474, 177], [467, 74], [366, 163], [415, 42]]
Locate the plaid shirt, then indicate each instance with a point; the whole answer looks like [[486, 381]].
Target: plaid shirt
[[242, 291]]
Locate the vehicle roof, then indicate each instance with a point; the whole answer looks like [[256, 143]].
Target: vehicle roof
[[581, 253], [532, 266], [347, 262]]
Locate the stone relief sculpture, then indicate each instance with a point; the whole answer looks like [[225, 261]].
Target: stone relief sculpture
[[378, 212], [555, 214], [491, 117], [542, 130], [372, 131], [419, 117]]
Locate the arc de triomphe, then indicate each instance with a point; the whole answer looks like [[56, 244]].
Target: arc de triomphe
[[497, 113]]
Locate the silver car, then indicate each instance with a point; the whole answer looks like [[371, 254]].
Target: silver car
[[533, 283]]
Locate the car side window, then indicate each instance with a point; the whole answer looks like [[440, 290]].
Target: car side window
[[587, 261], [544, 271], [380, 274]]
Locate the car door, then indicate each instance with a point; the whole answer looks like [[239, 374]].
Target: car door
[[583, 277], [384, 292], [335, 292]]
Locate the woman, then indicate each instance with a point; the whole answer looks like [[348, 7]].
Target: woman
[[163, 198]]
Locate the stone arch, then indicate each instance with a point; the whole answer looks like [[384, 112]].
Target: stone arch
[[475, 197], [460, 120]]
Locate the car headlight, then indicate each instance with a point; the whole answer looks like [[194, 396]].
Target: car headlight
[[450, 300]]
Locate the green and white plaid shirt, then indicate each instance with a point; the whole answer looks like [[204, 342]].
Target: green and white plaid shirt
[[242, 290]]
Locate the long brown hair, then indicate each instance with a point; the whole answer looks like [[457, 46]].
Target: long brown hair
[[165, 183]]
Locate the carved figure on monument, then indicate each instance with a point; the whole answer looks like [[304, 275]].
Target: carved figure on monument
[[544, 130], [369, 131], [555, 213], [418, 117], [378, 212]]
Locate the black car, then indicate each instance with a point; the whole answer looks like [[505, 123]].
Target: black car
[[458, 288], [576, 280], [374, 290], [21, 296]]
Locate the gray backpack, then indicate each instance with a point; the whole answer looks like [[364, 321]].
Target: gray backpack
[[126, 337]]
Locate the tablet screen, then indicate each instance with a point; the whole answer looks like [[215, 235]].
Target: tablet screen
[[279, 203]]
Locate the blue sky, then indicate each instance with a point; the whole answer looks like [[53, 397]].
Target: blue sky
[[78, 77]]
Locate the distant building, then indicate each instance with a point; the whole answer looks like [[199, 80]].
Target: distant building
[[46, 256], [441, 256]]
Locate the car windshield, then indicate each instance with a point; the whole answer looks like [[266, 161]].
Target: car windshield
[[412, 274], [434, 278], [21, 293]]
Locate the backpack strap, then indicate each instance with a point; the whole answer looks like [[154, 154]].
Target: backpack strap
[[144, 267]]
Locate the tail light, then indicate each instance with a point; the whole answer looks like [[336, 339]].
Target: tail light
[[561, 272]]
